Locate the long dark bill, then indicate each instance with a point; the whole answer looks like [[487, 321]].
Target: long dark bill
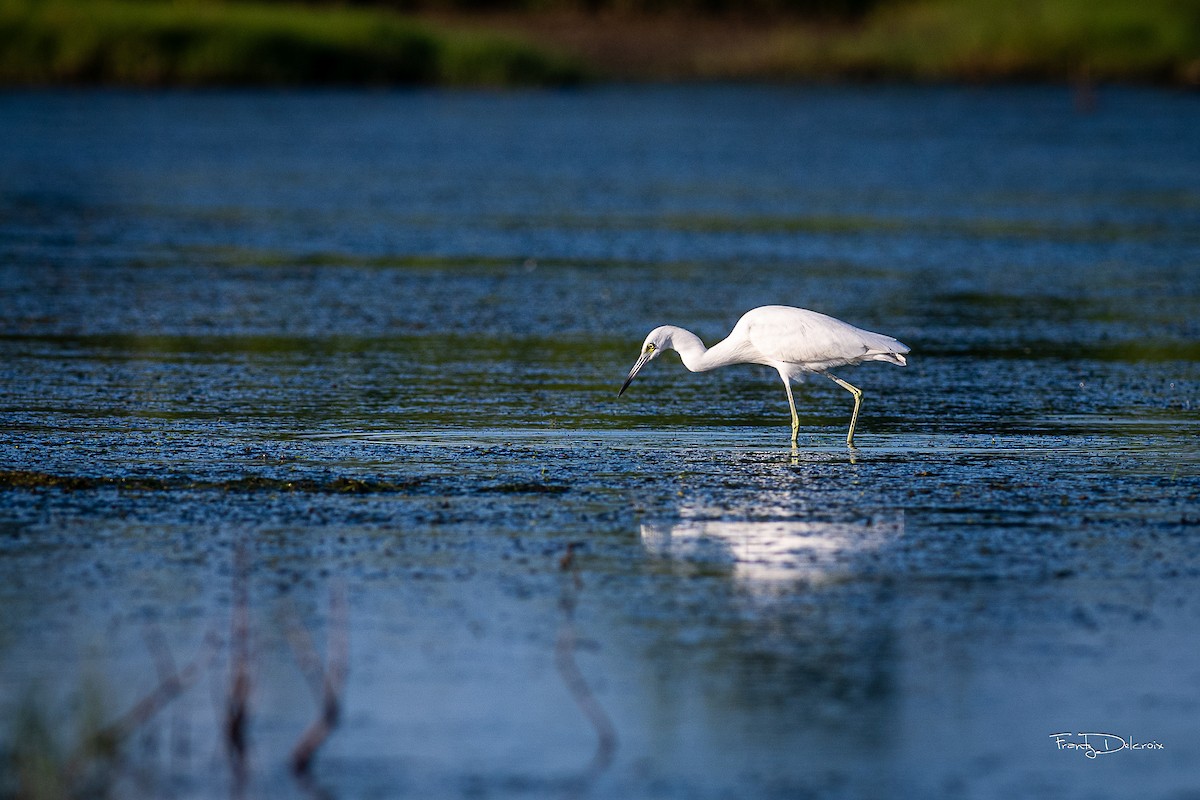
[[637, 366]]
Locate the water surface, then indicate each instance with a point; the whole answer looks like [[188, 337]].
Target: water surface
[[305, 346]]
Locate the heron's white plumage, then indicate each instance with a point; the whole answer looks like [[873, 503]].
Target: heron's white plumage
[[794, 341], [808, 341]]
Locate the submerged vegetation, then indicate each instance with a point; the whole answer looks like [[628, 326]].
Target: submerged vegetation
[[229, 42], [23, 479], [27, 480]]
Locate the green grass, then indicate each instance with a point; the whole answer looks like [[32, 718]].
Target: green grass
[[156, 43], [1143, 40], [230, 42]]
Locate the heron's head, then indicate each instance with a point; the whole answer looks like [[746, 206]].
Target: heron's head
[[656, 342]]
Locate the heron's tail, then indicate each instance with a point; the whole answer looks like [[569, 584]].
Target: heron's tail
[[885, 348], [892, 358]]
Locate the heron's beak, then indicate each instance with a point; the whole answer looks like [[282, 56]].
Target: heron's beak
[[643, 359]]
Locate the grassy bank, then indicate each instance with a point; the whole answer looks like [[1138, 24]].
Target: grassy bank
[[1139, 40], [216, 43], [910, 40], [223, 42]]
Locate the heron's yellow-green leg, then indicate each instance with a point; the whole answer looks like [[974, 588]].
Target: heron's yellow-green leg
[[854, 390], [787, 385]]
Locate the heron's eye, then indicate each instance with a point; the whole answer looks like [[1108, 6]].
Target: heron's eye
[[649, 348]]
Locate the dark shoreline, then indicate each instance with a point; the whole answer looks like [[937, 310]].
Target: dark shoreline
[[123, 43]]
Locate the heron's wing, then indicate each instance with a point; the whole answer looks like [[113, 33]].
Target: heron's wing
[[815, 341]]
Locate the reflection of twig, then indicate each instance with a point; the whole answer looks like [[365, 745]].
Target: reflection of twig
[[168, 688], [237, 703], [107, 741], [156, 643], [577, 685], [327, 682]]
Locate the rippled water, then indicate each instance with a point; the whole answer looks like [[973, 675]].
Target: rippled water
[[305, 346]]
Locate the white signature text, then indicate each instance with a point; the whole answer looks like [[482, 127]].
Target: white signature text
[[1094, 745]]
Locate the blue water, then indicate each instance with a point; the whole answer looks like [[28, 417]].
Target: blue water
[[220, 310]]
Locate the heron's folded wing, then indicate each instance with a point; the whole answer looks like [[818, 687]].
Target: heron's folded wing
[[816, 341]]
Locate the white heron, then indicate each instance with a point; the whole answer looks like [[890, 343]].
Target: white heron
[[794, 341]]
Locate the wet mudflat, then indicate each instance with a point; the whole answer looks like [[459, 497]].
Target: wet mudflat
[[343, 367]]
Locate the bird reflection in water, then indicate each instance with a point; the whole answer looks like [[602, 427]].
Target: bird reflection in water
[[767, 553]]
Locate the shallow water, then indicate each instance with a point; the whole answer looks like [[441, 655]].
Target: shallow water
[[314, 345]]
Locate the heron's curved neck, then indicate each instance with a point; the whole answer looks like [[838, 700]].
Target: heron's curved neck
[[695, 356]]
